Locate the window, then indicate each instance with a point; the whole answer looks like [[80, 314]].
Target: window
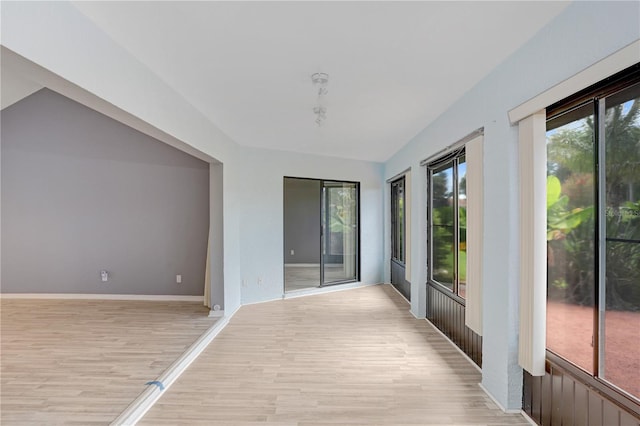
[[397, 220], [593, 231], [448, 222]]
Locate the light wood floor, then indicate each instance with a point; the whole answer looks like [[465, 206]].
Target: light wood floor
[[84, 361], [301, 277], [298, 277], [353, 357]]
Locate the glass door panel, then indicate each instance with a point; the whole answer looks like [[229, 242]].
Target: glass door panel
[[339, 232]]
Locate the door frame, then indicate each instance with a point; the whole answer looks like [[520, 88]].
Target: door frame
[[357, 241]]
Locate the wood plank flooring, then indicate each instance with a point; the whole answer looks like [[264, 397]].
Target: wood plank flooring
[[84, 361], [353, 357], [301, 277]]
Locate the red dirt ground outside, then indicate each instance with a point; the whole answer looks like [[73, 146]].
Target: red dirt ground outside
[[569, 334]]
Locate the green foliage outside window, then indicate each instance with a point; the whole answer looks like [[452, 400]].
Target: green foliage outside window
[[571, 211]]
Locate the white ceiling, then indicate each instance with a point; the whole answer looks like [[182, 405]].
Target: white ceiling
[[393, 66]]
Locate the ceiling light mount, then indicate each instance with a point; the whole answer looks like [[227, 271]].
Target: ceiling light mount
[[320, 82], [321, 114]]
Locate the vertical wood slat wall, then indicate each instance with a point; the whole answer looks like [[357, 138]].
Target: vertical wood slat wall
[[398, 280], [447, 314], [557, 398]]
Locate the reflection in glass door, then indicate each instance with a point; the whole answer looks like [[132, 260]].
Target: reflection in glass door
[[339, 232], [321, 233]]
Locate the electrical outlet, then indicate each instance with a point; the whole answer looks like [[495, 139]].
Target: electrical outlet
[[293, 252], [179, 278], [259, 280], [104, 276]]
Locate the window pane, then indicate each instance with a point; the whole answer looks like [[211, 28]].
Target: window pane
[[622, 317], [397, 220], [462, 224], [442, 220], [622, 202], [401, 222], [394, 220], [571, 236]]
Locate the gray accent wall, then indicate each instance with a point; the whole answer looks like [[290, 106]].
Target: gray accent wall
[[82, 192], [301, 220]]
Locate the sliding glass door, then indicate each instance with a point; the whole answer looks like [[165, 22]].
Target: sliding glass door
[[339, 232], [321, 233]]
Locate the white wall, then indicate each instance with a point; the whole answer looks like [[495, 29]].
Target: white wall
[[231, 218], [583, 34], [57, 37], [216, 235], [261, 216]]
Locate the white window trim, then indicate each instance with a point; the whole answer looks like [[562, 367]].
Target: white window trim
[[617, 61]]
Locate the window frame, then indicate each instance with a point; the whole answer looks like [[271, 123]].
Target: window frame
[[324, 222], [433, 167], [596, 96], [398, 236], [357, 240]]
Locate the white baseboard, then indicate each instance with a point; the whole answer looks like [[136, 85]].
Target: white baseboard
[[139, 407], [495, 401], [327, 289], [453, 344], [405, 299], [216, 314], [77, 296], [528, 418], [257, 302], [311, 265], [401, 295]]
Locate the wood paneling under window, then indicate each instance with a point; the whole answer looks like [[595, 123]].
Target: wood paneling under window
[[447, 314], [398, 279], [559, 398]]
